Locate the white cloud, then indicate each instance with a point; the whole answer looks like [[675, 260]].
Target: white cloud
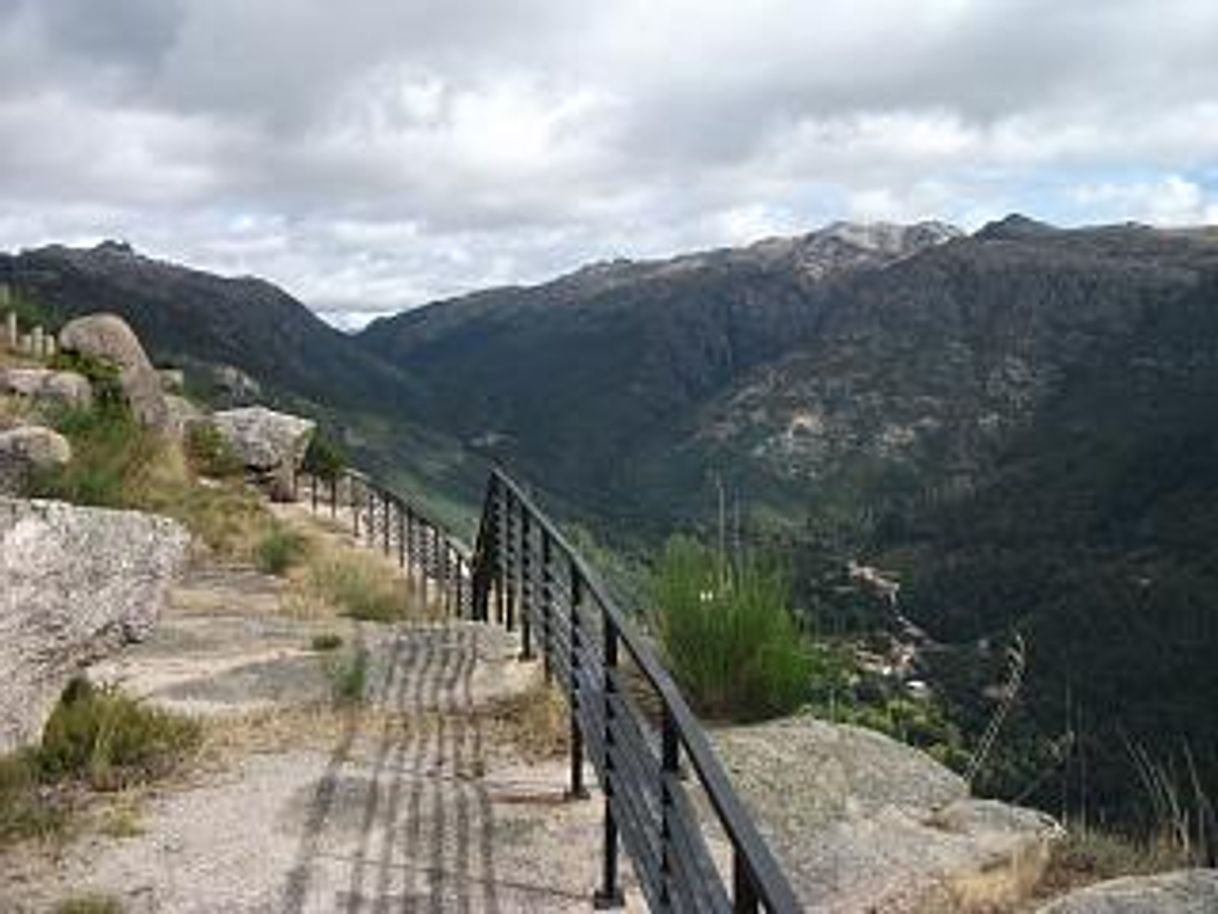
[[409, 149]]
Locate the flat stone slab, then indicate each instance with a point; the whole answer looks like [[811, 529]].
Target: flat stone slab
[[1181, 892]]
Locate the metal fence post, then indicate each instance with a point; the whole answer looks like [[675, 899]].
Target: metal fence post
[[670, 750], [527, 595], [577, 791], [609, 895], [547, 604]]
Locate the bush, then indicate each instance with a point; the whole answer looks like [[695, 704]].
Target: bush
[[325, 458], [103, 375], [348, 676], [109, 448], [111, 741], [326, 642], [209, 452], [280, 548], [96, 737], [728, 633], [117, 463]]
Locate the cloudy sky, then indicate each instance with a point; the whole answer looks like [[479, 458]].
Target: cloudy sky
[[370, 155]]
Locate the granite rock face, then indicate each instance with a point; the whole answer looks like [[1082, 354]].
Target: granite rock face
[[1181, 892], [107, 336], [27, 450], [75, 584], [65, 388], [864, 823], [270, 444]]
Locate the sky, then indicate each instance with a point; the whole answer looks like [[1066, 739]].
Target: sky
[[372, 155]]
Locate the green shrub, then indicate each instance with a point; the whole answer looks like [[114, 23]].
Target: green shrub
[[25, 810], [209, 452], [103, 375], [110, 740], [326, 642], [109, 448], [325, 457], [279, 549], [348, 674], [728, 633]]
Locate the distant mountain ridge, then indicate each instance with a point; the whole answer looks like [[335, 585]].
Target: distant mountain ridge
[[1019, 421]]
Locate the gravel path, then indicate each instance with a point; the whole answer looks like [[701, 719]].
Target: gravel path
[[410, 803]]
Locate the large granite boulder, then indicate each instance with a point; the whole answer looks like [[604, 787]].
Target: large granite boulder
[[864, 823], [62, 388], [107, 336], [1181, 892], [270, 444], [75, 584], [27, 450]]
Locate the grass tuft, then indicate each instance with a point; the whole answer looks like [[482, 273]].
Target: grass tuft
[[92, 903], [348, 674], [728, 634], [358, 584], [210, 454], [96, 739], [326, 642], [280, 549]]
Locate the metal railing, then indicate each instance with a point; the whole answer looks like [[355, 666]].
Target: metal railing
[[527, 573], [438, 563], [654, 763]]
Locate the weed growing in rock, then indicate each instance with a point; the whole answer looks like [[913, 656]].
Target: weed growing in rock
[[357, 584]]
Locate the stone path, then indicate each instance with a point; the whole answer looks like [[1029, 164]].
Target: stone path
[[415, 802]]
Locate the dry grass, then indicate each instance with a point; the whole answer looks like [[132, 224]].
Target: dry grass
[[337, 579], [14, 411], [536, 722]]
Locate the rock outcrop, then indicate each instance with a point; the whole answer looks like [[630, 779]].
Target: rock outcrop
[[65, 388], [27, 450], [107, 336], [1181, 892], [270, 444], [864, 823], [75, 584]]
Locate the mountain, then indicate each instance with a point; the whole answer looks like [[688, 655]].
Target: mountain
[[211, 324], [590, 381], [1019, 422]]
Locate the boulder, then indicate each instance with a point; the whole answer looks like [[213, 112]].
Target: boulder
[[75, 584], [26, 450], [1181, 892], [107, 336], [865, 823], [66, 388], [270, 444], [183, 414]]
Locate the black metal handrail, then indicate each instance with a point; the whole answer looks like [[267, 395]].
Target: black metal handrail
[[539, 580], [643, 760]]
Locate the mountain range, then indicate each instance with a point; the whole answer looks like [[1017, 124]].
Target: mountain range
[[1019, 422]]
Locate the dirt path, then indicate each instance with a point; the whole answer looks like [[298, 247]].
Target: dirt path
[[413, 802]]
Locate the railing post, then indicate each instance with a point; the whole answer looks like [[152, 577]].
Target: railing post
[[744, 890], [509, 564], [410, 545], [402, 536], [334, 496], [547, 604], [670, 751], [577, 791], [313, 490], [609, 895], [351, 489], [526, 588], [385, 520]]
